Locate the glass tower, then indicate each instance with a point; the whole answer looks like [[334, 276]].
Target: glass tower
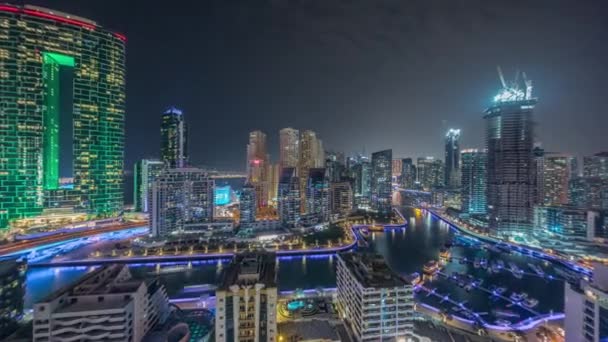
[[381, 188], [511, 171], [473, 191], [46, 57], [452, 159], [174, 138]]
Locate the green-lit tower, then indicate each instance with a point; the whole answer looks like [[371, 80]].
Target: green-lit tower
[[43, 139]]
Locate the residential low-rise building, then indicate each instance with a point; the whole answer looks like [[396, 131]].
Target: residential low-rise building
[[246, 300], [106, 305], [374, 301]]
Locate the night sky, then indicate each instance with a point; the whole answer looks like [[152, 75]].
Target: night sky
[[366, 75]]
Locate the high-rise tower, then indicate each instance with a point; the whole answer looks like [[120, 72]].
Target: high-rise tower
[[257, 167], [452, 158], [174, 138], [381, 186], [511, 174], [289, 148], [473, 183], [47, 59]]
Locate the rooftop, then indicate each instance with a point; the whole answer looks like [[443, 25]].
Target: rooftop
[[371, 270], [308, 330], [249, 269]]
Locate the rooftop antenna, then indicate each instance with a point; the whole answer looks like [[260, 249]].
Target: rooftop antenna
[[528, 86], [501, 76]]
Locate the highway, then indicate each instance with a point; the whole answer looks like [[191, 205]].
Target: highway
[[27, 244]]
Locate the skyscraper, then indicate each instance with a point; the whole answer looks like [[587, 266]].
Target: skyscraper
[[289, 148], [273, 173], [473, 183], [174, 138], [397, 170], [596, 165], [408, 173], [587, 192], [146, 171], [181, 199], [48, 57], [381, 187], [289, 197], [247, 204], [430, 172], [553, 178], [310, 156], [511, 180], [340, 198], [246, 300], [257, 167], [452, 159], [317, 194]]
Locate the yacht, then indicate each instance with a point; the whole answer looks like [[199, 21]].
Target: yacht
[[502, 322], [530, 303]]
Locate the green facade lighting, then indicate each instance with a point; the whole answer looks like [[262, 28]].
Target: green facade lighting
[[58, 58], [51, 64], [34, 53]]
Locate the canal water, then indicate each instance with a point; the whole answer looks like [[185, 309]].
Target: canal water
[[406, 251]]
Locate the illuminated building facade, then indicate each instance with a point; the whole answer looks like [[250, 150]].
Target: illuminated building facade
[[221, 195], [473, 181], [311, 156], [586, 307], [596, 165], [565, 221], [588, 192], [289, 148], [257, 167], [511, 175], [289, 197], [181, 200], [430, 173], [452, 159], [397, 169], [12, 291], [374, 301], [246, 300], [247, 204], [408, 173], [381, 186], [174, 138], [341, 198], [273, 173], [41, 50], [107, 304], [362, 174], [317, 194], [553, 177], [146, 171]]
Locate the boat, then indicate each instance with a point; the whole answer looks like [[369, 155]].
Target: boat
[[501, 290], [171, 269], [530, 303], [502, 322], [444, 253], [518, 297], [476, 263], [468, 287], [500, 263], [537, 269], [430, 267], [505, 313]]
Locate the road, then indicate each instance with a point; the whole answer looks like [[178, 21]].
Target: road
[[27, 244]]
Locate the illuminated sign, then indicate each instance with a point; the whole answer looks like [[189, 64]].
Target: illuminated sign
[[222, 195]]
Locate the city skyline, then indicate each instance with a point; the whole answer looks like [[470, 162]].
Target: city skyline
[[225, 99]]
